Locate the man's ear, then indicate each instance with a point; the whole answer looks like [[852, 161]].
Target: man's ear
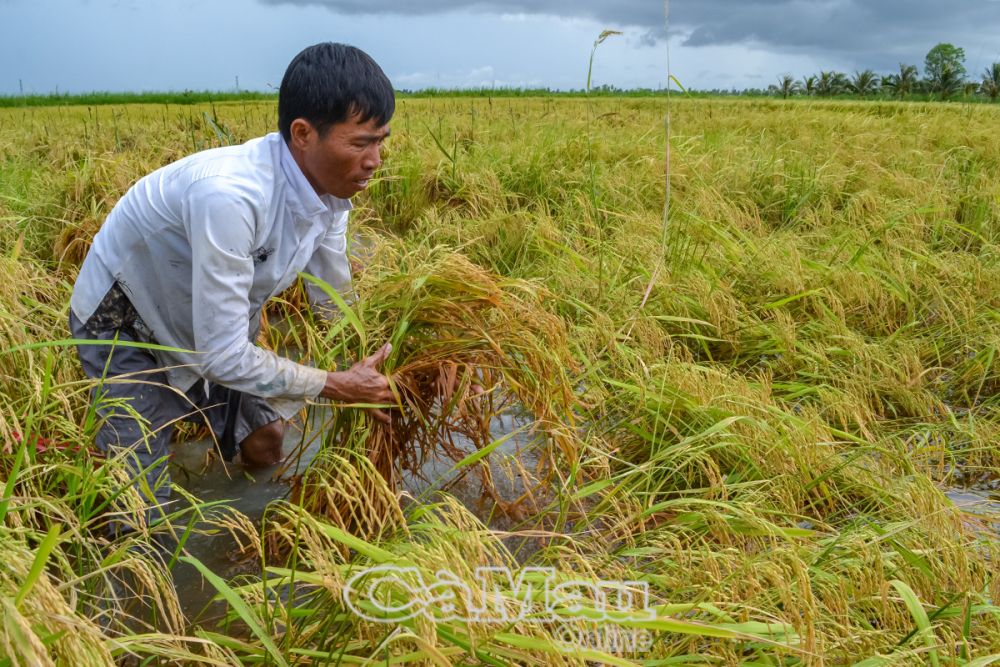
[[301, 132]]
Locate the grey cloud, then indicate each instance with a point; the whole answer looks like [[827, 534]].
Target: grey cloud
[[875, 33], [643, 13]]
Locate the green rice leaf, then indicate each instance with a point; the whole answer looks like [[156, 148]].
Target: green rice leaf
[[920, 617], [41, 557], [348, 313], [246, 614]]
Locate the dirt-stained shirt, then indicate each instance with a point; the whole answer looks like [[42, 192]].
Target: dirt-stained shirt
[[201, 244]]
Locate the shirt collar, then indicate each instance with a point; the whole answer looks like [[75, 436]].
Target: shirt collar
[[304, 196]]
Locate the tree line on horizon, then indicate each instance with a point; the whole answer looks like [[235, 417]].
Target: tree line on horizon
[[944, 77]]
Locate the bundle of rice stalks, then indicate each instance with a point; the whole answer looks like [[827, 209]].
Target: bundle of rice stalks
[[467, 346]]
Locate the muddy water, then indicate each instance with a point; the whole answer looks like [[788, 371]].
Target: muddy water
[[211, 480]]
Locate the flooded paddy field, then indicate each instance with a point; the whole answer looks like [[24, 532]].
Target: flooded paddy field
[[759, 427]]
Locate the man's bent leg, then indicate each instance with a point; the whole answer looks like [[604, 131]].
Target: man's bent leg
[[137, 411], [247, 423], [262, 448]]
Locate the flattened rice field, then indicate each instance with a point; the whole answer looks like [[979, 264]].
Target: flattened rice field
[[758, 407]]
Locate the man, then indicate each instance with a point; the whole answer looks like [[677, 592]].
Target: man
[[191, 253]]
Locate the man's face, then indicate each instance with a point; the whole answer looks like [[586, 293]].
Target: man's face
[[342, 161]]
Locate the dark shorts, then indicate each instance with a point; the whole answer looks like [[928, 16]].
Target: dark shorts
[[138, 407]]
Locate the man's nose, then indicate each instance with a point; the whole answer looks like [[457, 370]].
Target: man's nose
[[372, 158]]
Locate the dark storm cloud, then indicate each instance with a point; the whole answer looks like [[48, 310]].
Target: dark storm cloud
[[842, 26], [875, 33]]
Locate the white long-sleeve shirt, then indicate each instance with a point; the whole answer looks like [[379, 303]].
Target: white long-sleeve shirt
[[201, 244]]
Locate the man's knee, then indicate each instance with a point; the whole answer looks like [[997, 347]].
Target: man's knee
[[263, 447]]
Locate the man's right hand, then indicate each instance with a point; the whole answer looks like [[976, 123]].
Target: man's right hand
[[362, 383]]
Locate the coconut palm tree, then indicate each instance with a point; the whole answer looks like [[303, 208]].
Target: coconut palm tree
[[990, 85], [863, 83], [903, 83], [830, 83], [808, 85], [948, 82], [787, 86]]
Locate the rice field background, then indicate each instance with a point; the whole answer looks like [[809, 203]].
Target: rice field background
[[761, 404]]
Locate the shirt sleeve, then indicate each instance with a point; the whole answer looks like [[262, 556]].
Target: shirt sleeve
[[330, 264], [220, 215]]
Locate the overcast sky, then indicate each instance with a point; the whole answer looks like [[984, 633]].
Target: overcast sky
[[85, 45]]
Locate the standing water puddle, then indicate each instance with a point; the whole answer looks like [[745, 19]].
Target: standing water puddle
[[210, 480], [981, 505]]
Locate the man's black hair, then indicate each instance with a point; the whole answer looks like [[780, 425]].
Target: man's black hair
[[327, 83]]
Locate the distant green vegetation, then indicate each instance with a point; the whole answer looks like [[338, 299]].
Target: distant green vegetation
[[154, 97], [208, 96], [212, 97]]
